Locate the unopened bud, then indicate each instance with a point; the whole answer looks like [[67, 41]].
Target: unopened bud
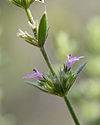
[[22, 3], [21, 34], [34, 27]]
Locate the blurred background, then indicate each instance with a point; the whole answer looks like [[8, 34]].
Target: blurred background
[[74, 28]]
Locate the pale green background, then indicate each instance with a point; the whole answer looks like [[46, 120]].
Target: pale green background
[[21, 104]]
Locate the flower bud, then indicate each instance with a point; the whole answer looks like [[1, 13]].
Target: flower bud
[[22, 3], [34, 28], [27, 37]]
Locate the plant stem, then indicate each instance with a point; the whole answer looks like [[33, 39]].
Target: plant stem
[[71, 110], [47, 60], [65, 97], [53, 72], [29, 15]]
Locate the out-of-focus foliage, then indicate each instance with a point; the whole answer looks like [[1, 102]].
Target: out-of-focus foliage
[[94, 66], [94, 35], [94, 45], [87, 94], [5, 118], [0, 48], [64, 44]]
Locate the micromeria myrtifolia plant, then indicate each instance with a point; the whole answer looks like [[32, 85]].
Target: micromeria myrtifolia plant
[[51, 83]]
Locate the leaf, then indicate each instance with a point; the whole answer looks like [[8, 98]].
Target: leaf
[[42, 33], [81, 67], [17, 3], [32, 42], [37, 86]]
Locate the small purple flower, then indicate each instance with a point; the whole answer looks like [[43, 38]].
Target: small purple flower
[[70, 60], [36, 75], [42, 1]]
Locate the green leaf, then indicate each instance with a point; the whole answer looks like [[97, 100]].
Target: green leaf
[[16, 2], [42, 33], [36, 85], [81, 67], [71, 81]]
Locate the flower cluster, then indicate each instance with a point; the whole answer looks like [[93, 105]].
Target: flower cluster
[[24, 3], [57, 85]]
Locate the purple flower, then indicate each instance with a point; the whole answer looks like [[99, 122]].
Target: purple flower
[[42, 1], [70, 60], [36, 75]]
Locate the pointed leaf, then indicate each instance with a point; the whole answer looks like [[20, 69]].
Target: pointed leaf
[[17, 3], [37, 86], [81, 67], [42, 33]]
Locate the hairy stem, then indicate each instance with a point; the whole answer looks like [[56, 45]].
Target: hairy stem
[[71, 110], [47, 60], [29, 15], [53, 72]]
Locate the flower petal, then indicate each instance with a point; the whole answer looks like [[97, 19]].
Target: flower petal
[[68, 56], [76, 58], [35, 70], [29, 76], [70, 60], [42, 1], [36, 75]]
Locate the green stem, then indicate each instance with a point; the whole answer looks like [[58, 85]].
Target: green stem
[[29, 15], [53, 72], [71, 110], [47, 60]]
